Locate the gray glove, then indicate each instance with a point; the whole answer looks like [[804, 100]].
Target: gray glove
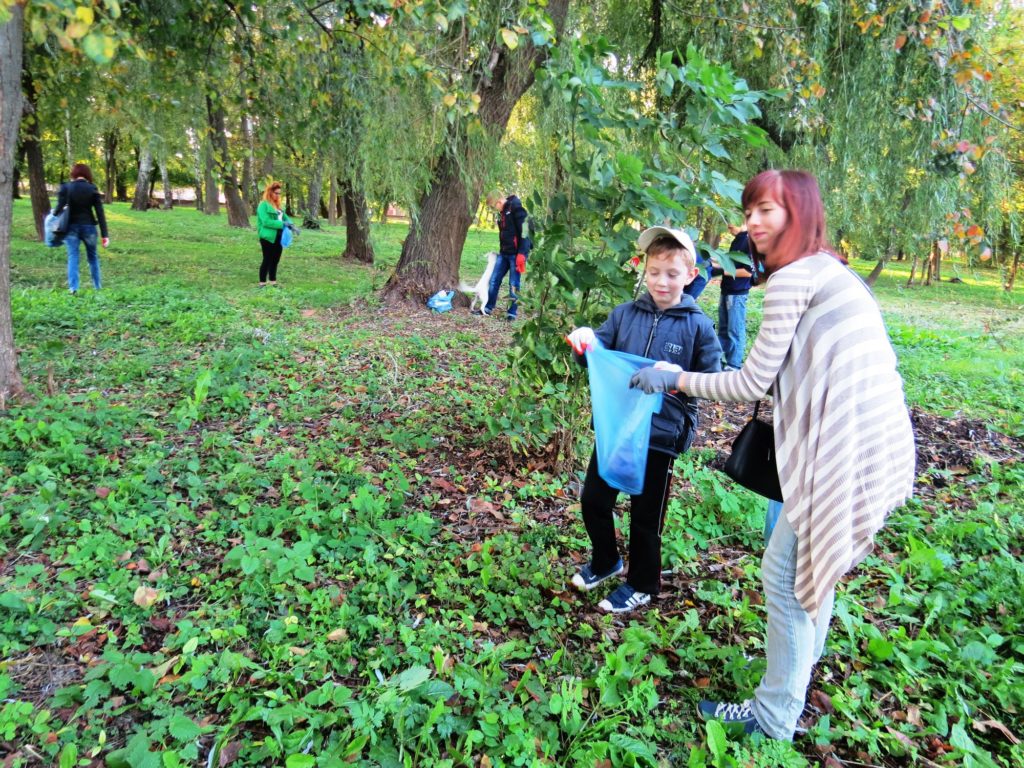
[[652, 380]]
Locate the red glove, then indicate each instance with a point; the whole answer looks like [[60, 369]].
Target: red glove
[[520, 263]]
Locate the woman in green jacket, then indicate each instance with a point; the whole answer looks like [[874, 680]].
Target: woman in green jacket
[[270, 223]]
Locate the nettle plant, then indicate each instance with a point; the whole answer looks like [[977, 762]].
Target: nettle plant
[[629, 154]]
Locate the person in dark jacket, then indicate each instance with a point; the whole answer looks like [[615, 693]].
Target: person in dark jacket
[[732, 305], [667, 326], [514, 248], [86, 204]]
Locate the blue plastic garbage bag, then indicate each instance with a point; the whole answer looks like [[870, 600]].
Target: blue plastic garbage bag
[[441, 301], [51, 224], [287, 235], [622, 418]]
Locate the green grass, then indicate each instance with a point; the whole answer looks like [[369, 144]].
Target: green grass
[[251, 527]]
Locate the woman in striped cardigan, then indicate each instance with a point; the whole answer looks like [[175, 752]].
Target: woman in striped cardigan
[[843, 439]]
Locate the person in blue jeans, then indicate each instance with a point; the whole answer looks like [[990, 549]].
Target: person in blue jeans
[[84, 200], [514, 248], [732, 306]]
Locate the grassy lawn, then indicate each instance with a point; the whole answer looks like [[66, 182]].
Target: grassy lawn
[[268, 528]]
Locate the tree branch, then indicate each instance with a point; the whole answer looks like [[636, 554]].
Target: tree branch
[[330, 32], [995, 117], [735, 21]]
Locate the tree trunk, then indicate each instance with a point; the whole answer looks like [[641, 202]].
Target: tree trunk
[[165, 179], [929, 267], [249, 191], [110, 165], [1013, 270], [237, 215], [873, 277], [913, 269], [122, 185], [332, 202], [141, 200], [11, 36], [212, 201], [432, 251], [33, 148], [311, 218], [357, 225]]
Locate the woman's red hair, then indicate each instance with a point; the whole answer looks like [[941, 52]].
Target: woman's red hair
[[797, 192]]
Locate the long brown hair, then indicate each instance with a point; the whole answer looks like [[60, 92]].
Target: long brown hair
[[272, 186], [798, 193]]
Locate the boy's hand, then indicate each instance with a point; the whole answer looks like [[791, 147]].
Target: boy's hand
[[653, 380], [582, 339], [521, 263]]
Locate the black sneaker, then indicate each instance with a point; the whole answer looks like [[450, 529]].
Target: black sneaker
[[624, 599], [482, 312], [738, 715], [586, 579]]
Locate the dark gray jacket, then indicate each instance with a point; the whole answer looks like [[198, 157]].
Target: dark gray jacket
[[83, 198], [683, 335]]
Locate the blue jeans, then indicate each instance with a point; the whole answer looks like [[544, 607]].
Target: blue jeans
[[82, 233], [505, 264], [732, 328], [794, 642]]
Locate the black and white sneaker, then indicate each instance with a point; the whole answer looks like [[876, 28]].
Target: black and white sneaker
[[482, 311], [624, 599], [586, 579], [738, 715]]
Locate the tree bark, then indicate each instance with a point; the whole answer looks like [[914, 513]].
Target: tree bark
[[654, 44], [873, 277], [33, 148], [165, 179], [332, 202], [1013, 270], [357, 225], [432, 251], [141, 200], [211, 202], [110, 165], [122, 185], [249, 190], [311, 218], [11, 36], [237, 215]]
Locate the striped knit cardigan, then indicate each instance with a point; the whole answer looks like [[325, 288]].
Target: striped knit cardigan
[[843, 438]]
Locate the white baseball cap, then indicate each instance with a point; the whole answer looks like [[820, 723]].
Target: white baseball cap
[[651, 234]]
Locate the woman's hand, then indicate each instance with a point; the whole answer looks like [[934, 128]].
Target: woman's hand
[[653, 380], [106, 242]]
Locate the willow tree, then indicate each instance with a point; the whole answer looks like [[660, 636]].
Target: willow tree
[[889, 104], [489, 54]]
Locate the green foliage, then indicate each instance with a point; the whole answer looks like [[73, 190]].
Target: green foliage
[[294, 547], [620, 160]]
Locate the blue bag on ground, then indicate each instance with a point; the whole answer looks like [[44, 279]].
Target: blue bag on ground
[[441, 301], [622, 418]]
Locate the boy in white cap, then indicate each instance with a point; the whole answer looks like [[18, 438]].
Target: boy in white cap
[[664, 325]]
